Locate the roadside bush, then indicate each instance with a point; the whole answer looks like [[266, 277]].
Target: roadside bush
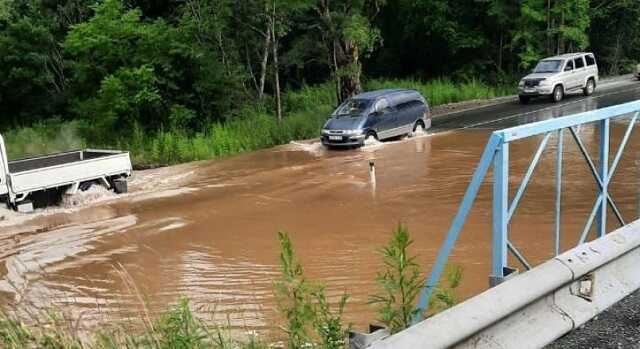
[[401, 282], [309, 319]]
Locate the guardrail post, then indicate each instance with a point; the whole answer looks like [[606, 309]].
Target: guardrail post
[[603, 169], [500, 214]]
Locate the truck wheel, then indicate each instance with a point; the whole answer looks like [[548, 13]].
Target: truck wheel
[[591, 86], [558, 94], [120, 186], [524, 99]]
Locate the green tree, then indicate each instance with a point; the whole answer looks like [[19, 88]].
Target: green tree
[[615, 34], [529, 36], [32, 71], [569, 23], [191, 66], [127, 98], [348, 34]]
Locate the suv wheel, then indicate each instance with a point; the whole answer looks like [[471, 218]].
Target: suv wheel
[[558, 94], [591, 86], [524, 99]]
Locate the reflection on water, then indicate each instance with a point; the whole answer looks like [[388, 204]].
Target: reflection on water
[[216, 242]]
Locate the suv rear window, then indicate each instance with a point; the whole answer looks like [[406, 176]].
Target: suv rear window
[[590, 60], [579, 63]]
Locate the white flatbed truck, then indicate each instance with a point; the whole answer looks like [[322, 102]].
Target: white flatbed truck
[[65, 172]]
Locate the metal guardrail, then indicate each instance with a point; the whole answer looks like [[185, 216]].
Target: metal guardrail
[[496, 155], [535, 308]]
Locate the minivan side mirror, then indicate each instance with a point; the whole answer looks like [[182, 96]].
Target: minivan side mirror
[[375, 113]]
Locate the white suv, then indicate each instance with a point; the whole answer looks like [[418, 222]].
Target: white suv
[[556, 76]]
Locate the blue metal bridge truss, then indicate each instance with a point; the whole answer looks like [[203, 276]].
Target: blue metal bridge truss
[[496, 154]]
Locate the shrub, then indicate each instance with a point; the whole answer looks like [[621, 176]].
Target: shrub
[[399, 284]]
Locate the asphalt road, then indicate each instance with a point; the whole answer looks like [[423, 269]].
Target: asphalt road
[[512, 113], [617, 327]]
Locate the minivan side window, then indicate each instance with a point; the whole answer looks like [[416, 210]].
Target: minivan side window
[[579, 62], [569, 66], [409, 104], [382, 106], [590, 59]]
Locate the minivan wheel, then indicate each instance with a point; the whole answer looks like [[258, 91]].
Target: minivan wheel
[[418, 125], [558, 94], [590, 88], [370, 137]]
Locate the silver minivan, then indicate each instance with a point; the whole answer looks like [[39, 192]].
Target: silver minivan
[[377, 115], [554, 77]]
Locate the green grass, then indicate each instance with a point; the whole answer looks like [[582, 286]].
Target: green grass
[[249, 129], [444, 91], [46, 137], [177, 328]]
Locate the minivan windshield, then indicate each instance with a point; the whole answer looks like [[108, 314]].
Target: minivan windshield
[[548, 66], [353, 107]]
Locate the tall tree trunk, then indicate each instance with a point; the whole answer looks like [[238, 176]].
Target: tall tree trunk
[[263, 63], [561, 47], [334, 64], [249, 67], [349, 70], [549, 46], [276, 68], [500, 49]]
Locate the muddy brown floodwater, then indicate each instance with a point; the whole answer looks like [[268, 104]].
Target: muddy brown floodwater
[[208, 230]]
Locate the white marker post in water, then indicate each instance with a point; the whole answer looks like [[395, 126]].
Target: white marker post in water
[[372, 173]]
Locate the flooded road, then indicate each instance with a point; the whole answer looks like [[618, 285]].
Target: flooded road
[[208, 230]]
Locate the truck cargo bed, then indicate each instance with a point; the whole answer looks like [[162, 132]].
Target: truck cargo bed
[[36, 163]]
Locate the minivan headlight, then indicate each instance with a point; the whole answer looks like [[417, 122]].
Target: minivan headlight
[[353, 132]]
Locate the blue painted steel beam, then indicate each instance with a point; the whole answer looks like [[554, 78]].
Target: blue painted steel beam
[[542, 127], [519, 256], [527, 176], [500, 211], [592, 216], [596, 176], [603, 172], [556, 237], [456, 226], [623, 145]]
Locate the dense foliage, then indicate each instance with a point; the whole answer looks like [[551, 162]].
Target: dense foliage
[[116, 67]]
